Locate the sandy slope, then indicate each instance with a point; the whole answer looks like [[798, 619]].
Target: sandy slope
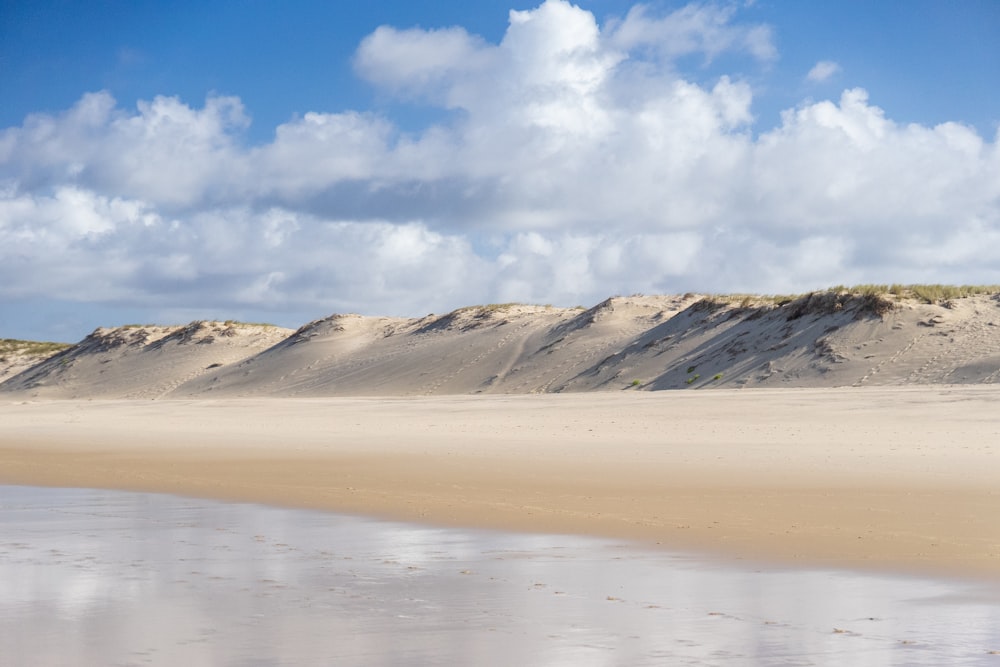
[[624, 343], [17, 356], [901, 478], [142, 361], [504, 349]]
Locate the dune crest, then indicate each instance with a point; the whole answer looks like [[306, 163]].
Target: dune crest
[[823, 339]]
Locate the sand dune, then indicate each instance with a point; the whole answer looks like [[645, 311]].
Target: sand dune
[[142, 361], [17, 356], [624, 343]]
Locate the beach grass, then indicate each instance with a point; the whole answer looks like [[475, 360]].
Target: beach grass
[[10, 346]]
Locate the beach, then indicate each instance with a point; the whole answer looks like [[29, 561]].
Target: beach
[[124, 578], [896, 479]]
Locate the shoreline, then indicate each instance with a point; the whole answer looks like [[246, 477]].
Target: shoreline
[[888, 479]]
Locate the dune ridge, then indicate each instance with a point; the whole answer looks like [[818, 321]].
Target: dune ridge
[[142, 361], [823, 339], [17, 356]]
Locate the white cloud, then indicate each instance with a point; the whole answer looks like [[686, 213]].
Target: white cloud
[[166, 152], [696, 28], [316, 151], [420, 63], [822, 71], [579, 164]]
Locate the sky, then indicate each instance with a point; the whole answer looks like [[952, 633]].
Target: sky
[[280, 162]]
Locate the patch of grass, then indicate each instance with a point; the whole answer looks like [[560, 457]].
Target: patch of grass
[[923, 292], [874, 298], [691, 369], [498, 307], [636, 383], [717, 376], [692, 379], [238, 323], [32, 347], [486, 309], [939, 293]]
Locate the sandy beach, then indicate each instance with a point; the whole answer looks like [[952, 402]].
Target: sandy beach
[[897, 479]]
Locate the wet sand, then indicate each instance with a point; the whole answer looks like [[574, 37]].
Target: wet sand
[[900, 479], [110, 578]]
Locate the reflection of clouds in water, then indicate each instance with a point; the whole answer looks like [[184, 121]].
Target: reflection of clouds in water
[[139, 578], [82, 578]]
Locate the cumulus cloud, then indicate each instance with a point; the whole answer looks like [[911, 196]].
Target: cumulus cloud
[[822, 71], [421, 63], [578, 163], [166, 152]]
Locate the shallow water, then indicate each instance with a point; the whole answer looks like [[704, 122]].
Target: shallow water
[[109, 578]]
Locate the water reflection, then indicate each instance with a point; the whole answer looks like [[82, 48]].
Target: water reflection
[[109, 578]]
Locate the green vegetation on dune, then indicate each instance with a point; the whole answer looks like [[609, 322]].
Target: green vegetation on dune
[[238, 323], [925, 293], [490, 307], [30, 347], [939, 293], [873, 298]]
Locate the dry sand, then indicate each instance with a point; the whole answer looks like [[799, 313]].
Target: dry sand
[[900, 479], [632, 343]]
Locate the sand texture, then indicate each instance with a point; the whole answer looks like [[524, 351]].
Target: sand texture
[[901, 478], [624, 343]]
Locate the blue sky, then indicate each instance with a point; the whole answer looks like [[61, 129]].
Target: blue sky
[[283, 161]]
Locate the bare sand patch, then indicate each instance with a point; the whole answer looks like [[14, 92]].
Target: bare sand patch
[[901, 479]]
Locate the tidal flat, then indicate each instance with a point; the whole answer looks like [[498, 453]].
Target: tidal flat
[[95, 577]]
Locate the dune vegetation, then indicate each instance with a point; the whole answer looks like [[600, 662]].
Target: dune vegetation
[[12, 346]]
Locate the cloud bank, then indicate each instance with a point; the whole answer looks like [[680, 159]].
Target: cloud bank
[[574, 161]]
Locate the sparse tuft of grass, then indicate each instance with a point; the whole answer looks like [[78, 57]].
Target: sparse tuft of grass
[[636, 383], [238, 323], [30, 347], [875, 297], [486, 309], [939, 293], [12, 347], [498, 307]]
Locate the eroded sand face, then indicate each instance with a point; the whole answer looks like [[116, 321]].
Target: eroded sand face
[[901, 479], [101, 578]]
